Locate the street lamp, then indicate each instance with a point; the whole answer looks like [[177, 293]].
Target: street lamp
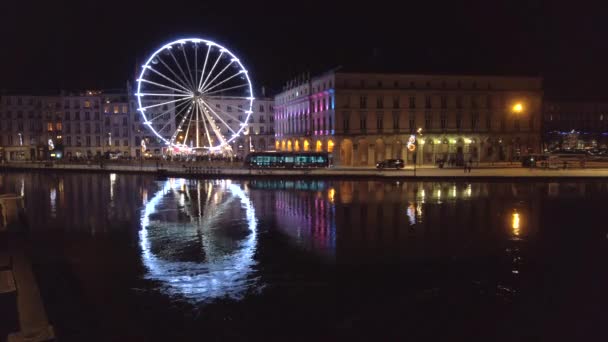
[[518, 108]]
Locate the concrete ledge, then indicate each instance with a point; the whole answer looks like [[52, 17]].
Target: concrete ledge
[[44, 335], [7, 282], [179, 169]]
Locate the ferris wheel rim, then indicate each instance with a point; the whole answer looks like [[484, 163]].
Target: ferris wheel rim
[[183, 94]]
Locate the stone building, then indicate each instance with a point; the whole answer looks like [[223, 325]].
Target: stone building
[[362, 118]]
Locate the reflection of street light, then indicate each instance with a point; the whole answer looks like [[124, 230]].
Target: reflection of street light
[[515, 224]]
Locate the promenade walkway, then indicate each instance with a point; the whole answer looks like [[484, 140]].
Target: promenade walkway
[[496, 170]]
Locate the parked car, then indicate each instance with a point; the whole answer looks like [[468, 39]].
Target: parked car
[[391, 164]]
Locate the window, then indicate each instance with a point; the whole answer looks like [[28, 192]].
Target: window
[[428, 120], [77, 116], [106, 108], [488, 121], [125, 142], [458, 102], [229, 108], [474, 102], [516, 124], [363, 102], [396, 120], [116, 109], [97, 141], [49, 126], [427, 102], [240, 118], [412, 121], [362, 83], [19, 114], [87, 104], [88, 140], [489, 101], [96, 115], [395, 101], [217, 105], [87, 115], [125, 109], [443, 118], [67, 116], [124, 121], [444, 102], [271, 118], [261, 129], [396, 84], [261, 108], [412, 85], [346, 121], [458, 120], [379, 121], [363, 122], [474, 121], [412, 102], [97, 127], [379, 84], [68, 141], [379, 102]]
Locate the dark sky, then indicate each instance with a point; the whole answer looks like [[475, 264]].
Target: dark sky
[[95, 44]]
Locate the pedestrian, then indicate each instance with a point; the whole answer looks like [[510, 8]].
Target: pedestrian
[[470, 165], [465, 168]]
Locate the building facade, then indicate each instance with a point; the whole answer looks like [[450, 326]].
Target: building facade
[[95, 123], [362, 118], [575, 125]]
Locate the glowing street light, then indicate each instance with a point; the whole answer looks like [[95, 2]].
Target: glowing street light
[[518, 108]]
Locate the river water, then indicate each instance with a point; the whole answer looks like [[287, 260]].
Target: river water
[[123, 257]]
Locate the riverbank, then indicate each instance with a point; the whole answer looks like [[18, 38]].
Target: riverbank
[[190, 169]]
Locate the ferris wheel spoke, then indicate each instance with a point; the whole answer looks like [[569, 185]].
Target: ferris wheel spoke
[[204, 125], [167, 111], [169, 122], [229, 88], [219, 117], [220, 97], [162, 103], [188, 128], [168, 79], [209, 87], [164, 86], [195, 64], [181, 69], [212, 68], [214, 128], [216, 76], [188, 66], [184, 82], [179, 127], [224, 113], [162, 95], [200, 82]]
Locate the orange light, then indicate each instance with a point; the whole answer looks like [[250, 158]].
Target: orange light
[[518, 107]]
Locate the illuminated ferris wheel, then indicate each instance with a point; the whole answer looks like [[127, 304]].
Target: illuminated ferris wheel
[[182, 90]]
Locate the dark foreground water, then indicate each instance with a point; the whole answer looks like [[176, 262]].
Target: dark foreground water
[[138, 258]]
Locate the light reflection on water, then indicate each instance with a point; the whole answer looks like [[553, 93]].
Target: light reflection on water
[[225, 270]]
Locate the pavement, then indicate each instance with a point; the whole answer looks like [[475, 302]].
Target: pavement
[[482, 170]]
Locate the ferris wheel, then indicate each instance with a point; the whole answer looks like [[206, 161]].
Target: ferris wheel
[[195, 95]]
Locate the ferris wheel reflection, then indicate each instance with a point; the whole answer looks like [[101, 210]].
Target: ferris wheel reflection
[[198, 239]]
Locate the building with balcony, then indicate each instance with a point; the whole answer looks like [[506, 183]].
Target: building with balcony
[[362, 118]]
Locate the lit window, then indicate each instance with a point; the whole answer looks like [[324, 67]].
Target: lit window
[[116, 109], [87, 104]]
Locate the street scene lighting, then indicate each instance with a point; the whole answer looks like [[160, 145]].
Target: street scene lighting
[[518, 107]]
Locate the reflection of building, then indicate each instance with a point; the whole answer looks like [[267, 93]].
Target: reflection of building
[[575, 125], [368, 117]]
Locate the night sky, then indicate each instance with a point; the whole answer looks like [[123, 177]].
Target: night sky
[[50, 45]]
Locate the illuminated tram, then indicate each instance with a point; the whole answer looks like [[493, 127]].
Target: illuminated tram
[[288, 160]]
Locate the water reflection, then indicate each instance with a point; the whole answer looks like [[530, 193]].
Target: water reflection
[[199, 238]]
